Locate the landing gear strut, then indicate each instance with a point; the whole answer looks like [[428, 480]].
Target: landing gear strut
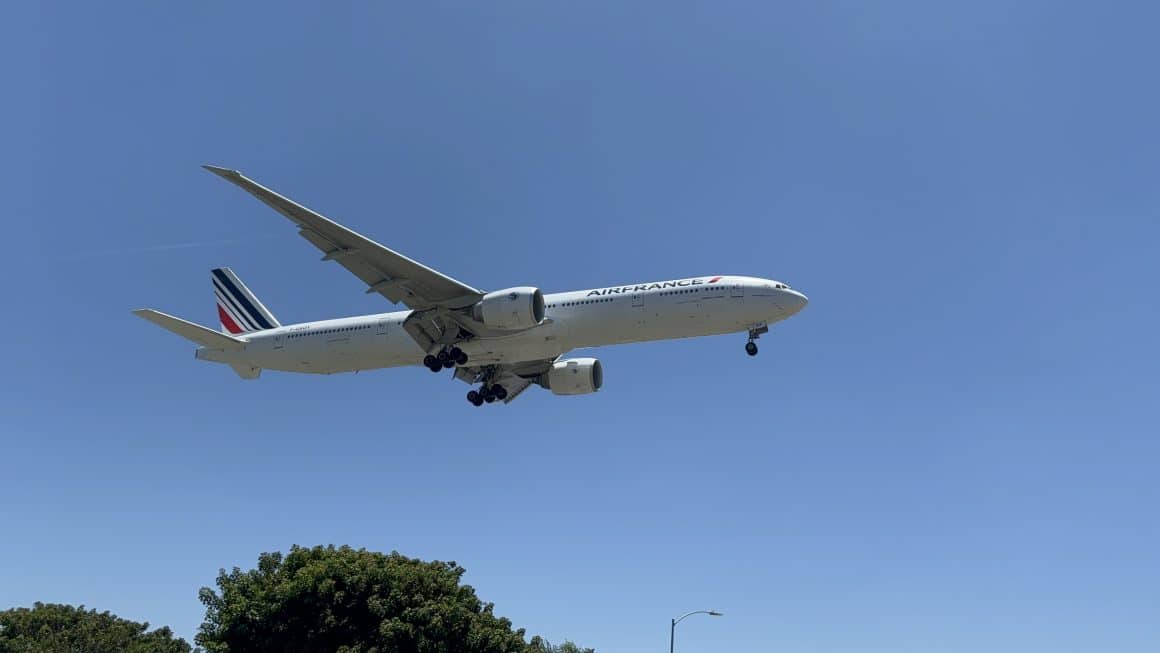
[[755, 333]]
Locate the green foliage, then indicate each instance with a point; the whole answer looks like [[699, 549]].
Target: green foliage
[[52, 628], [327, 599], [539, 645]]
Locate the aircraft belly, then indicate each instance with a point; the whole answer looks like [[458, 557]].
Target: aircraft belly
[[538, 343], [664, 321], [338, 355]]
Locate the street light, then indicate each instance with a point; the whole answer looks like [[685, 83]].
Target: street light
[[673, 628]]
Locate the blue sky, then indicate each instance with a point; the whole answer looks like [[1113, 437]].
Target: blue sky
[[952, 448]]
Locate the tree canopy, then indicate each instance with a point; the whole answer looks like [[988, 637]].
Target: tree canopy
[[53, 628], [328, 599], [540, 645]]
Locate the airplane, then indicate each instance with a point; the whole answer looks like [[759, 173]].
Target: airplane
[[501, 341]]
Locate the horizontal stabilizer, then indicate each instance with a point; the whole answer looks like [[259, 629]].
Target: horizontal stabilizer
[[203, 336]]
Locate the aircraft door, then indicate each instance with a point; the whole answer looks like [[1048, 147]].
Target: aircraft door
[[737, 290], [382, 331], [279, 340], [638, 300]]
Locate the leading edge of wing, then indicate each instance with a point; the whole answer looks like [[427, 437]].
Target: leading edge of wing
[[312, 221]]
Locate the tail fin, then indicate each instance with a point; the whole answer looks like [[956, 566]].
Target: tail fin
[[239, 309]]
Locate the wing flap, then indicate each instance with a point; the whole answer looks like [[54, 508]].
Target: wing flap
[[515, 387]]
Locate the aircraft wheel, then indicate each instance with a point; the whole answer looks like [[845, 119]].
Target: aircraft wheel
[[432, 363], [458, 356], [443, 356], [449, 363], [751, 348], [489, 397], [499, 391], [474, 398]]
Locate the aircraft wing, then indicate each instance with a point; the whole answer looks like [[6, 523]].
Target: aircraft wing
[[383, 270]]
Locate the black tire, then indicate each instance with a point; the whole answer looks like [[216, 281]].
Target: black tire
[[443, 356], [478, 402], [461, 358], [500, 392], [473, 397], [432, 363], [751, 348], [448, 363], [489, 397]]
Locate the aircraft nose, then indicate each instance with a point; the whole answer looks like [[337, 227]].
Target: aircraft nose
[[792, 300]]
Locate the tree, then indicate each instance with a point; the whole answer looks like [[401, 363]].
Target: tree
[[53, 628], [540, 645], [328, 599]]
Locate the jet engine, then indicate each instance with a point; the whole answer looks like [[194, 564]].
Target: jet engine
[[511, 309], [573, 376]]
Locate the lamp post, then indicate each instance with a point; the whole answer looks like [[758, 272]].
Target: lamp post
[[673, 628]]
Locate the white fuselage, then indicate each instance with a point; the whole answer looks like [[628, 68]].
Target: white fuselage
[[684, 308]]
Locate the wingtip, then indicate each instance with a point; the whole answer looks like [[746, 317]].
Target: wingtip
[[222, 172]]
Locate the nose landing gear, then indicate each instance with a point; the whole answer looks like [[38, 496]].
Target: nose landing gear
[[755, 333]]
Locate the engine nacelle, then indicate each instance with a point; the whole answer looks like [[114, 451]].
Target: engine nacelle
[[511, 309], [574, 376]]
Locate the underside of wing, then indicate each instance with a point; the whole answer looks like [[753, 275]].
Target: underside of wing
[[514, 377], [384, 271]]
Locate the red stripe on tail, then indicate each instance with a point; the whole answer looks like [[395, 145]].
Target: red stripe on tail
[[228, 323]]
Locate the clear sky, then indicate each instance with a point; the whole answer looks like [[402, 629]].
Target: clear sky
[[953, 448]]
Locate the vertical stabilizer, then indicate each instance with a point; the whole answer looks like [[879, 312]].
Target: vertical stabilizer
[[238, 308]]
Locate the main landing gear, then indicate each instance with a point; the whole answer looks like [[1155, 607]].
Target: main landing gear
[[755, 333], [488, 394], [445, 359]]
